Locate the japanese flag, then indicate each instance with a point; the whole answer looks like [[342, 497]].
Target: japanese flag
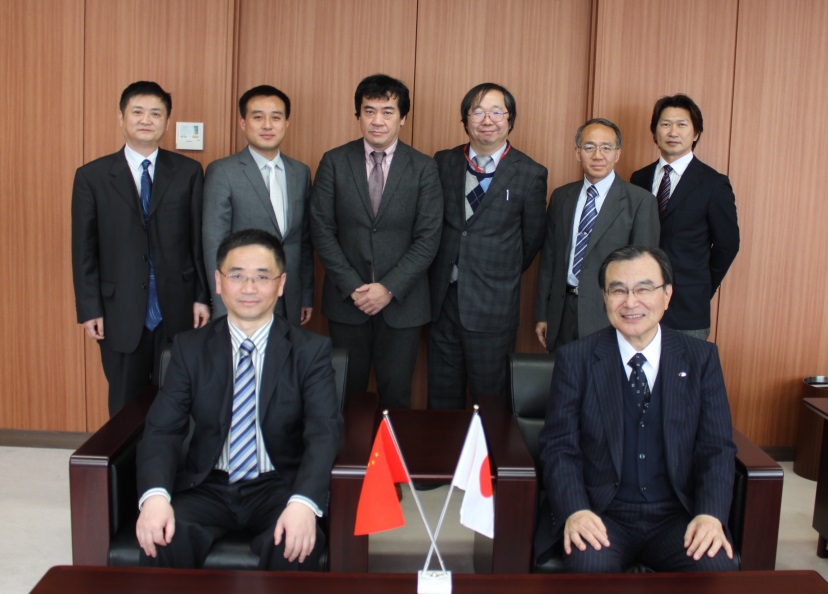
[[474, 476]]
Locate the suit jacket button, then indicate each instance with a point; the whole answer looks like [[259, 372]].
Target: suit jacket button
[[464, 233], [374, 230]]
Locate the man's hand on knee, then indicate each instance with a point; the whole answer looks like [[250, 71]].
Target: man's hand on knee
[[706, 535], [582, 528], [156, 524], [297, 525]]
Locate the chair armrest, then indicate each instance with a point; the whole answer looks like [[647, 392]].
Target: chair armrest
[[89, 480], [756, 507], [346, 551], [515, 490]]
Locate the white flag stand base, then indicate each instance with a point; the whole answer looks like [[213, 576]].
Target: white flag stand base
[[433, 582]]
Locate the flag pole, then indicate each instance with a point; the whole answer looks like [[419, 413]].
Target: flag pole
[[413, 490], [451, 489]]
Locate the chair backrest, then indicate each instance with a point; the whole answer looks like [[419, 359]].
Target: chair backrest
[[529, 381]]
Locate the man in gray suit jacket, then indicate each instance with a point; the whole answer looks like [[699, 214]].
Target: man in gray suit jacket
[[587, 220], [636, 451], [494, 202], [261, 188], [376, 213]]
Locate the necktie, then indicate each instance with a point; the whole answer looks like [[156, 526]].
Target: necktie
[[477, 183], [376, 181], [664, 190], [588, 216], [276, 198], [638, 381], [244, 462], [153, 316]]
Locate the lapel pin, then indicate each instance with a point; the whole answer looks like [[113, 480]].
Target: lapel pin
[[682, 374]]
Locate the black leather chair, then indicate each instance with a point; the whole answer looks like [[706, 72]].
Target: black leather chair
[[757, 489], [104, 515]]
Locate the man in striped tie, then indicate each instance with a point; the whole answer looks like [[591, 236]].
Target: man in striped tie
[[585, 221], [266, 426]]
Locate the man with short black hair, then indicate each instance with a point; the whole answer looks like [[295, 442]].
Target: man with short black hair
[[137, 259], [266, 426], [699, 228], [376, 213], [261, 187]]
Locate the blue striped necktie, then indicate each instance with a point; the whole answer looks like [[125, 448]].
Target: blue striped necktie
[[588, 216], [153, 315], [244, 463]]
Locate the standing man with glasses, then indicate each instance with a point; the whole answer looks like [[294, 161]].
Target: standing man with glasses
[[137, 259], [376, 211], [699, 228], [636, 448], [259, 395], [262, 188], [585, 222], [494, 201]]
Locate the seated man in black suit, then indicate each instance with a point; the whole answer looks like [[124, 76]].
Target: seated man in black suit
[[636, 450], [266, 426]]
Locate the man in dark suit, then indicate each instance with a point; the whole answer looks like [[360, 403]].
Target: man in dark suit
[[494, 202], [238, 194], [636, 450], [587, 220], [376, 212], [264, 436], [136, 246], [699, 229]]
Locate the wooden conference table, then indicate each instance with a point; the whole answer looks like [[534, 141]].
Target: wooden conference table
[[123, 580], [430, 441]]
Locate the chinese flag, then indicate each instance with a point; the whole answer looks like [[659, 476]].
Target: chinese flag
[[378, 508]]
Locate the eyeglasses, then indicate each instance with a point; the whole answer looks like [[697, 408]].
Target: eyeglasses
[[259, 280], [640, 292], [479, 115], [605, 149]]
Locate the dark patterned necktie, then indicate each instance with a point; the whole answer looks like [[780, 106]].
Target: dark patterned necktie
[[638, 381], [153, 315], [376, 181], [664, 190], [587, 222]]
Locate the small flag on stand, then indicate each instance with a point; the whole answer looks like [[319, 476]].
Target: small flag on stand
[[474, 476], [379, 508]]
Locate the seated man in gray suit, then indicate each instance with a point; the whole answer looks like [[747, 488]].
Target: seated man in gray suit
[[376, 214], [262, 188], [585, 221], [636, 450], [266, 426]]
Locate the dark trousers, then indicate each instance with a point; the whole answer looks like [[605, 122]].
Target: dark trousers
[[212, 509], [391, 351], [458, 357], [647, 533], [129, 373]]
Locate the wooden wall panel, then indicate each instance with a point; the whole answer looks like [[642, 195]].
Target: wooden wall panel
[[187, 47], [41, 60], [773, 315], [537, 49]]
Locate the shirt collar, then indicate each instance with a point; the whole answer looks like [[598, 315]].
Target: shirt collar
[[652, 352], [261, 161], [259, 337], [602, 186], [389, 152], [679, 165], [134, 158], [496, 156]]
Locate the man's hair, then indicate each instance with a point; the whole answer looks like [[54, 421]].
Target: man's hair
[[382, 86], [603, 122], [263, 91], [634, 252], [247, 237], [682, 102], [145, 87], [477, 93]]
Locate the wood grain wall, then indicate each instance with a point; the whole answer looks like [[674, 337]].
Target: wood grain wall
[[754, 66]]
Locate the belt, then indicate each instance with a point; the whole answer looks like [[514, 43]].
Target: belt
[[572, 290]]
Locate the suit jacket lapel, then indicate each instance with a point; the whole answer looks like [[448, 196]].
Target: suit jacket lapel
[[221, 354], [606, 380], [613, 204], [356, 158], [295, 193], [254, 176], [402, 157], [164, 174], [124, 184], [688, 182], [278, 348], [568, 215], [672, 372]]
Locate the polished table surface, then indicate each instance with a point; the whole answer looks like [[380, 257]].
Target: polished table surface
[[122, 580]]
